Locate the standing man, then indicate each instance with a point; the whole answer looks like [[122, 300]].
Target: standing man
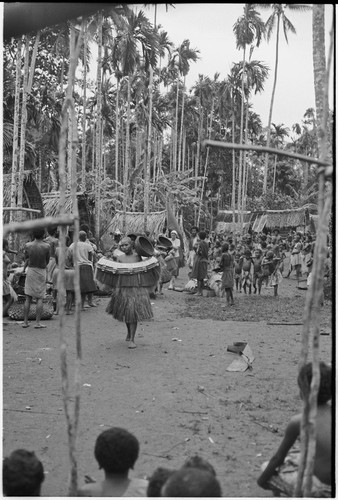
[[85, 254], [37, 255]]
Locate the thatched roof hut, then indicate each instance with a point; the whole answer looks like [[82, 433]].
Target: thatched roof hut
[[224, 223], [284, 220], [31, 197], [51, 204], [134, 224]]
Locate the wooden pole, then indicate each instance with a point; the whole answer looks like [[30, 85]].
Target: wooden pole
[[263, 149]]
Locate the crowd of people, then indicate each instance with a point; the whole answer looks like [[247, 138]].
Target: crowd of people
[[245, 263], [116, 451]]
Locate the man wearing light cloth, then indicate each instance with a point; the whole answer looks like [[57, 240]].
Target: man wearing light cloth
[[37, 255]]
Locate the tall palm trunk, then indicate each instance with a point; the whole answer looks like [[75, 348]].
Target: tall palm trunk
[[266, 167], [98, 161], [180, 161], [127, 159], [117, 127], [206, 159], [175, 129], [240, 187], [147, 172], [33, 60], [23, 128], [245, 167], [15, 157], [233, 198], [84, 107]]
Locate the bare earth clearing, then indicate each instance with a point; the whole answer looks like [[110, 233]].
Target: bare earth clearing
[[173, 392]]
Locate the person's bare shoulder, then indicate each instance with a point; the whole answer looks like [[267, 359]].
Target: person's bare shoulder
[[90, 490]]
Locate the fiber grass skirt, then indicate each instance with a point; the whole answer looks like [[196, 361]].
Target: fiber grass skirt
[[130, 304], [87, 283]]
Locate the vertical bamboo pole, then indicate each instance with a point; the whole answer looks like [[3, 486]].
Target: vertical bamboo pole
[[312, 309], [72, 423]]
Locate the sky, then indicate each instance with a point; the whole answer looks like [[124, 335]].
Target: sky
[[209, 27]]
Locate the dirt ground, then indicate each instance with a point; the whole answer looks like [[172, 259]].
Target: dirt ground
[[173, 392]]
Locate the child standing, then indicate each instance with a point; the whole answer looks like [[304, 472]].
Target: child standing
[[238, 272], [172, 266], [247, 270], [257, 268], [227, 268]]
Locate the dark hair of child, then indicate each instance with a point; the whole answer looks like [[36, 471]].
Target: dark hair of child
[[38, 233], [190, 482], [325, 387], [264, 244], [22, 474], [197, 462], [225, 247], [202, 235], [157, 480], [116, 450]]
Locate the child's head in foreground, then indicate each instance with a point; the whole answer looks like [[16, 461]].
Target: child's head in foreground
[[190, 482], [22, 474], [197, 462], [157, 480], [116, 450], [325, 387]]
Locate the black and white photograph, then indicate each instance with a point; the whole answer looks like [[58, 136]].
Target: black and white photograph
[[168, 221]]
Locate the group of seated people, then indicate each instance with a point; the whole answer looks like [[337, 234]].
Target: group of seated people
[[116, 452]]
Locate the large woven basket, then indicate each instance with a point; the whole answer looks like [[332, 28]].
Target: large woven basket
[[16, 310]]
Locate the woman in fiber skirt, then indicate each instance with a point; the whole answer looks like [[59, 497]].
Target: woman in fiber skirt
[[130, 304]]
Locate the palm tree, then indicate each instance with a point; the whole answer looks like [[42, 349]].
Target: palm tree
[[276, 18], [249, 28], [134, 34], [278, 135], [180, 59]]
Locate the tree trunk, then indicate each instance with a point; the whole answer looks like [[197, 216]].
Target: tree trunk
[[240, 187], [180, 161], [233, 200], [32, 67], [266, 167], [117, 118], [147, 172], [127, 159], [15, 157], [84, 107], [175, 129], [23, 130], [98, 162]]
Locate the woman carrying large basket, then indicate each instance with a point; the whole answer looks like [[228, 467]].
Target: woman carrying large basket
[[130, 301]]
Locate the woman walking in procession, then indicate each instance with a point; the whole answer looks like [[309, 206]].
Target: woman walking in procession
[[129, 302], [227, 268], [200, 266]]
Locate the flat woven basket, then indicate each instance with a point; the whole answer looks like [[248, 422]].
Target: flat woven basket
[[16, 310]]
